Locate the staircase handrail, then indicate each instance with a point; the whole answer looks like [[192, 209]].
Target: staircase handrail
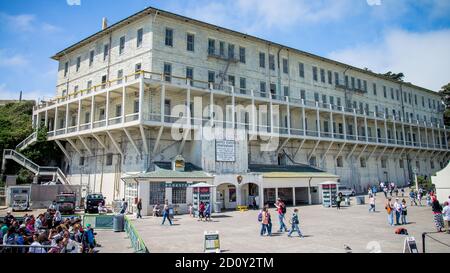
[[30, 137]]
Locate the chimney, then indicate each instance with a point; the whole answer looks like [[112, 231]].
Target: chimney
[[104, 23]]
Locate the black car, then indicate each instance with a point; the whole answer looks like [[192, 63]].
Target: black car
[[92, 202]]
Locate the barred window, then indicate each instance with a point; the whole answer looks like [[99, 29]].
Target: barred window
[[179, 193], [157, 193]]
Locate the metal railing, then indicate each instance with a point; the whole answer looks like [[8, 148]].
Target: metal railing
[[24, 143], [136, 242], [35, 168]]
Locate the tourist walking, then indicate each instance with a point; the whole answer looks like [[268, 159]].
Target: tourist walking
[[208, 212], [374, 190], [419, 196], [139, 208], [404, 212], [294, 224], [166, 214], [385, 191], [437, 214], [412, 197], [191, 210], [124, 206], [201, 211], [338, 200], [372, 203], [446, 216], [390, 211], [402, 190], [428, 199], [281, 210], [263, 217]]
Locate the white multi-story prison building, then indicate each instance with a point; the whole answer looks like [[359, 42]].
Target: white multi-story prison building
[[119, 94]]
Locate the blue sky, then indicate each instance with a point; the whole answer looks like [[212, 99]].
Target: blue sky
[[411, 36]]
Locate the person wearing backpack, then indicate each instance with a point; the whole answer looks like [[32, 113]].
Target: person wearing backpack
[[294, 224], [281, 209], [390, 211]]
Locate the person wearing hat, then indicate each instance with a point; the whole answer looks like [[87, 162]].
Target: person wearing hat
[[3, 231], [88, 239], [9, 218]]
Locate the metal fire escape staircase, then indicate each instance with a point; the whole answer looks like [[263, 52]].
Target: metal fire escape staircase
[[37, 170], [228, 59]]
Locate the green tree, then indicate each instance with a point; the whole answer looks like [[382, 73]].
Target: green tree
[[394, 76], [15, 126]]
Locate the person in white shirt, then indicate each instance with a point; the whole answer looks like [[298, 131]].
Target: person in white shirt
[[446, 215], [57, 218], [38, 222], [398, 211], [36, 246], [372, 203]]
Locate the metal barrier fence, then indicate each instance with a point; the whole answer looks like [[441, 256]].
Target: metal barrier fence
[[23, 249], [136, 242]]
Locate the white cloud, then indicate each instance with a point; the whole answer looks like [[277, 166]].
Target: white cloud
[[12, 60], [374, 2], [26, 23], [258, 15], [424, 58]]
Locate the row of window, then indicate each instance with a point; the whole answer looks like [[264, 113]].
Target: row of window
[[106, 51], [363, 163]]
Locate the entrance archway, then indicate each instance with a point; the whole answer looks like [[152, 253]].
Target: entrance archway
[[226, 195], [250, 195]]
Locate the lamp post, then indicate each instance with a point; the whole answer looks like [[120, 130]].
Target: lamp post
[[415, 178]]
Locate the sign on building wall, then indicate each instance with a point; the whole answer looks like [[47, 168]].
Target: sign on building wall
[[225, 150]]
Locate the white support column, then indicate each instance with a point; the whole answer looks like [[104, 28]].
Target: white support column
[[67, 117], [141, 98], [385, 130], [344, 123], [276, 193], [418, 132], [79, 115], [46, 119], [271, 116], [395, 132], [92, 111], [107, 108], [355, 120], [188, 108], [426, 135], [318, 119], [163, 97], [366, 131], [303, 118], [254, 118], [445, 134], [123, 104], [55, 127], [376, 127], [432, 135], [331, 121], [288, 115], [403, 132], [439, 137]]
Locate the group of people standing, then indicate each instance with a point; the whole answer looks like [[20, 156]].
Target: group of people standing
[[399, 209], [266, 221]]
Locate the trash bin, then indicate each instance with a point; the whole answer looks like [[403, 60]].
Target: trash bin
[[217, 206], [118, 222], [360, 200]]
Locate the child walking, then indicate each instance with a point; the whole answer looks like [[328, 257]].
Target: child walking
[[294, 224]]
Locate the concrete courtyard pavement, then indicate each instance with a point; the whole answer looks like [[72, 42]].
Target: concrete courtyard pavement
[[113, 242], [325, 230]]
